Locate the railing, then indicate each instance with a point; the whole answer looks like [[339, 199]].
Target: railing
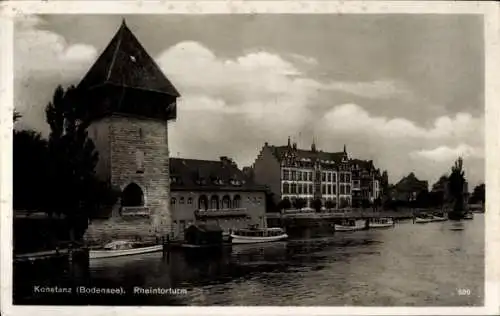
[[221, 212], [348, 214], [135, 211]]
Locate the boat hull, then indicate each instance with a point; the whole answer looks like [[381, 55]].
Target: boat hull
[[236, 239], [439, 219], [372, 225], [341, 228], [423, 220], [98, 254]]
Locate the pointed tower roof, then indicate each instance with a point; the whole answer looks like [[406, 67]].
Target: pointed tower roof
[[125, 63]]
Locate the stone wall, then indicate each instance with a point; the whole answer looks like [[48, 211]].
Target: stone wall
[[136, 151]]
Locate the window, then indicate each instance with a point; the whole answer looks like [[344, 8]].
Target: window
[[293, 188], [348, 189], [286, 188], [334, 189], [181, 200], [310, 176], [226, 202], [334, 176], [294, 175], [310, 189], [342, 177], [300, 188], [323, 189], [323, 176], [329, 189], [190, 200], [237, 201], [348, 177], [203, 202], [139, 157], [141, 135], [214, 202], [173, 201], [329, 177], [299, 176], [286, 174]]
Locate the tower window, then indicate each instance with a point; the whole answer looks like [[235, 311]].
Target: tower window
[[139, 155], [140, 134]]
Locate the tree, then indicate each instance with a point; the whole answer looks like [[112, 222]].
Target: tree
[[365, 203], [75, 190], [478, 194], [423, 199], [284, 204], [317, 204], [17, 116], [299, 203], [270, 203], [456, 185], [30, 158], [329, 204], [384, 186]]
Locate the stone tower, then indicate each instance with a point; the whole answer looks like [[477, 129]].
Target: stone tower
[[130, 102]]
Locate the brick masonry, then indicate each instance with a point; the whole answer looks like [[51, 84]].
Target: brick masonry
[[118, 140]]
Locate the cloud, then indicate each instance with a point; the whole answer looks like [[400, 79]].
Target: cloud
[[43, 60], [378, 89], [448, 154], [353, 118], [231, 106]]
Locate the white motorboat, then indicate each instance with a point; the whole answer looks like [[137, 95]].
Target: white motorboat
[[468, 216], [257, 235], [436, 218], [120, 248], [350, 225], [423, 219], [380, 222]]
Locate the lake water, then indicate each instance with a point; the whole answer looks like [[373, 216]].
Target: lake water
[[433, 264]]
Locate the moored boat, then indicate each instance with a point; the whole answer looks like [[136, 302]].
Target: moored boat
[[380, 222], [350, 225], [423, 218], [468, 216], [120, 248], [439, 218], [257, 235]]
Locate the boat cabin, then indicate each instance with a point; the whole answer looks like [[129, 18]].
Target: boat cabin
[[256, 232], [380, 220]]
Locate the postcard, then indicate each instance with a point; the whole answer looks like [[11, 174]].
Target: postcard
[[250, 157]]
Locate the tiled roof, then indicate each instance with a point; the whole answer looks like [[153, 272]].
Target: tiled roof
[[411, 182], [222, 175], [125, 63], [363, 164], [279, 153]]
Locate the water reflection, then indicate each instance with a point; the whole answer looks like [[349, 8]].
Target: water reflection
[[405, 265]]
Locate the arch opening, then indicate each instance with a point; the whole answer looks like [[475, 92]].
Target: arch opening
[[132, 195]]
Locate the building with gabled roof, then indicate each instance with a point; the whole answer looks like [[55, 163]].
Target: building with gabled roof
[[366, 180], [293, 173], [215, 192], [129, 102], [409, 187]]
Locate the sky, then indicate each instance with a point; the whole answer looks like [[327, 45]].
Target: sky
[[406, 91]]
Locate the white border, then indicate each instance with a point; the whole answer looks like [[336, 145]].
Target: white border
[[491, 13]]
